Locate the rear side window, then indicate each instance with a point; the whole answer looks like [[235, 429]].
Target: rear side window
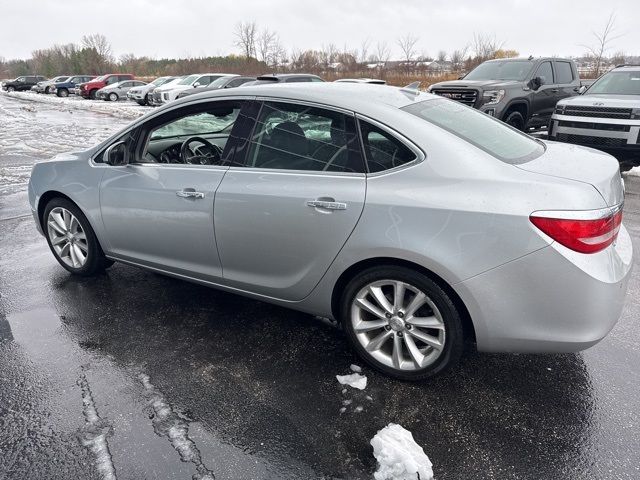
[[545, 71], [382, 150], [485, 132], [300, 137], [564, 72]]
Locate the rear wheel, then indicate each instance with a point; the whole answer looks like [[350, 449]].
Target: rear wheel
[[63, 92], [71, 238], [402, 323], [515, 119]]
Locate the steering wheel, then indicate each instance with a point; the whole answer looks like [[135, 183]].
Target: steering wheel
[[189, 156]]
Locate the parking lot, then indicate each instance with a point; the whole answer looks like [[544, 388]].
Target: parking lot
[[134, 375]]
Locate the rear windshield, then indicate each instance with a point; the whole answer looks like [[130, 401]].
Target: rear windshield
[[485, 132]]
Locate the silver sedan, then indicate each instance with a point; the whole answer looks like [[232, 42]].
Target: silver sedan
[[415, 221], [118, 91]]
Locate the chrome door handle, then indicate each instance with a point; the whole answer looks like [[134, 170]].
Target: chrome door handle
[[326, 204], [189, 193]]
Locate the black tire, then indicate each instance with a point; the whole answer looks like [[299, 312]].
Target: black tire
[[11, 89], [454, 339], [92, 94], [47, 90], [113, 97], [141, 103], [515, 119], [95, 260], [62, 92]]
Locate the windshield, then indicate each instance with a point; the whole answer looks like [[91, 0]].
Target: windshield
[[189, 80], [618, 83], [505, 70], [99, 79], [485, 132], [60, 79], [218, 83], [160, 81]]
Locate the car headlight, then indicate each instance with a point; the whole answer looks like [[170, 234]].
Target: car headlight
[[491, 97], [559, 109]]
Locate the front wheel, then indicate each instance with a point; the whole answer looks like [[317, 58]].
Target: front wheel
[[113, 97], [402, 323], [92, 94], [63, 92], [11, 89], [516, 120], [47, 90], [71, 238]]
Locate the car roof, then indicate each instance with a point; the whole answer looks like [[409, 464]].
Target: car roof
[[367, 99], [632, 68]]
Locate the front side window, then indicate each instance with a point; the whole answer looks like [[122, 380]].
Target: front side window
[[618, 83], [198, 135], [188, 80], [494, 137], [564, 72], [546, 72], [382, 150], [299, 137]]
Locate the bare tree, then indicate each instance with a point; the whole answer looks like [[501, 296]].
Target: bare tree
[[364, 50], [382, 52], [246, 33], [458, 57], [264, 45], [604, 39], [407, 45], [442, 56], [99, 43], [485, 47]]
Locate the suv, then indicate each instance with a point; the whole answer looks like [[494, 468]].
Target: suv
[[46, 86], [230, 81], [90, 88], [63, 89], [520, 92], [142, 94], [606, 116], [22, 83]]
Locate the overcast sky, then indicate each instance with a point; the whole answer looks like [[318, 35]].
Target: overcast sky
[[161, 28]]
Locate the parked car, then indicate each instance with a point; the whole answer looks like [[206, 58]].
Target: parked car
[[154, 98], [169, 92], [229, 81], [117, 91], [373, 81], [22, 83], [47, 86], [90, 88], [520, 92], [533, 257], [64, 89], [284, 78], [141, 94], [606, 116]]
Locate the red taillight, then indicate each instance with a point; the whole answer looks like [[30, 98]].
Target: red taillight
[[579, 232]]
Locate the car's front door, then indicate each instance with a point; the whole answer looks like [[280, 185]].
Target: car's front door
[[158, 210], [283, 216], [544, 98]]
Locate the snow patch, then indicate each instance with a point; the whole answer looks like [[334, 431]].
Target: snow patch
[[634, 172], [399, 456], [355, 368], [354, 380]]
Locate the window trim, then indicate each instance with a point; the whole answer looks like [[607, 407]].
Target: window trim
[[421, 156], [344, 111]]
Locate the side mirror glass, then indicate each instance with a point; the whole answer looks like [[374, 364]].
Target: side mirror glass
[[197, 84], [537, 82], [116, 155], [582, 89]]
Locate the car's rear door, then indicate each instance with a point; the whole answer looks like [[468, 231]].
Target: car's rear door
[[158, 211], [284, 214], [544, 98], [566, 79]]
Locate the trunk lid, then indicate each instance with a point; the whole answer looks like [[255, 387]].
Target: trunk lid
[[581, 164]]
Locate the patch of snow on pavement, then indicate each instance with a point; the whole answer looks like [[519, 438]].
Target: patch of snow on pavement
[[355, 368], [399, 456], [354, 380], [634, 172]]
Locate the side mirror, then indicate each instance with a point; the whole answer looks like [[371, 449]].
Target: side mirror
[[116, 155], [582, 89], [197, 84], [537, 82]]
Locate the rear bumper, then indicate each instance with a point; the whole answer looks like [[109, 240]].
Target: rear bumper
[[553, 300]]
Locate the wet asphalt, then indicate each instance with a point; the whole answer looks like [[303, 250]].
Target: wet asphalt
[[132, 375]]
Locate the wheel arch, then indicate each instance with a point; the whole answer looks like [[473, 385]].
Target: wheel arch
[[521, 106], [355, 269]]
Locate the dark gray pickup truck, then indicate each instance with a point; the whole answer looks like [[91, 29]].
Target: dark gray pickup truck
[[520, 92]]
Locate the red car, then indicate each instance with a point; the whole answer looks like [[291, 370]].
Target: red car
[[89, 89]]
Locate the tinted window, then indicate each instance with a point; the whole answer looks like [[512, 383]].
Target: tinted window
[[382, 150], [545, 71], [111, 80], [564, 72], [238, 81], [299, 137], [124, 77], [483, 131], [500, 70], [297, 79]]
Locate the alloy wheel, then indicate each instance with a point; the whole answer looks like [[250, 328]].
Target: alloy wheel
[[67, 237], [398, 325]]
